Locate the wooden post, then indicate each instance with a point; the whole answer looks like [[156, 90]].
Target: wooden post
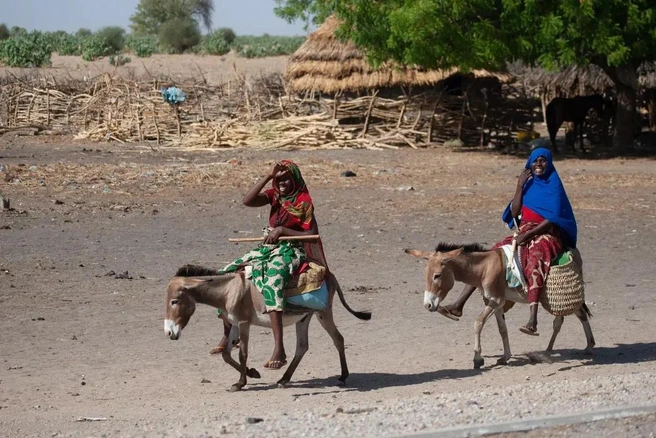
[[335, 106], [462, 118], [48, 107], [429, 138], [366, 120], [482, 142]]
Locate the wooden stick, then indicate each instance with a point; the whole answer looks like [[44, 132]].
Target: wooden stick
[[259, 239]]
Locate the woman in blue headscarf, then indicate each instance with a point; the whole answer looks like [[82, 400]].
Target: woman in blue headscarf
[[546, 226]]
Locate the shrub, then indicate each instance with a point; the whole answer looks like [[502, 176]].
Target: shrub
[[83, 32], [227, 34], [215, 44], [69, 45], [93, 48], [17, 31], [142, 46], [266, 45], [4, 32], [29, 50], [118, 60], [113, 38], [179, 34]]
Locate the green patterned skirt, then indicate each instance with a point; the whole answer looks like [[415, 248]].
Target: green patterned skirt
[[273, 267]]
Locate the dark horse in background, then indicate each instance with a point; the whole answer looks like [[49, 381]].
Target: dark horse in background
[[574, 110]]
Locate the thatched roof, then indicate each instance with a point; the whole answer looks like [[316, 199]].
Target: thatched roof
[[325, 64], [576, 81]]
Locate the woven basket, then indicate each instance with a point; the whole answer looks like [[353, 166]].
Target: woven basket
[[564, 292]]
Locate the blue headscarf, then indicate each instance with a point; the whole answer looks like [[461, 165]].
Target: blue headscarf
[[546, 196]]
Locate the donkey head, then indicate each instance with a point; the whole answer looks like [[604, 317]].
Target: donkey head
[[438, 275], [180, 306]]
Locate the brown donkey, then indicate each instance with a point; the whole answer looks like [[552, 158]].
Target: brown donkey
[[475, 266], [244, 305]]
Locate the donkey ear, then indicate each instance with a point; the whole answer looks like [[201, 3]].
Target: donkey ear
[[418, 254], [448, 256]]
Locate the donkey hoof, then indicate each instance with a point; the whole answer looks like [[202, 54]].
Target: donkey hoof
[[588, 351], [342, 380], [235, 388], [502, 361], [478, 362], [283, 383], [253, 373]]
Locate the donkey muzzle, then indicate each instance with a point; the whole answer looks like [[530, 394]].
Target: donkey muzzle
[[172, 329], [431, 301]]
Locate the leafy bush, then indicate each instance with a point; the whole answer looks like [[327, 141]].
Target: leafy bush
[[118, 60], [69, 45], [83, 32], [179, 34], [113, 38], [4, 32], [17, 31], [215, 44], [142, 46], [227, 34], [29, 50], [266, 45], [93, 48]]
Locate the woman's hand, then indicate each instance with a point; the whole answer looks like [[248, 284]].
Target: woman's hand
[[523, 177], [522, 239], [278, 170], [273, 235]]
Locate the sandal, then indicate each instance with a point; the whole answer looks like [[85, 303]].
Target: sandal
[[445, 312], [275, 364], [529, 330], [219, 348]]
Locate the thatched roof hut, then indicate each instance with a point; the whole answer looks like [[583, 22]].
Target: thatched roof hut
[[576, 81], [325, 64]]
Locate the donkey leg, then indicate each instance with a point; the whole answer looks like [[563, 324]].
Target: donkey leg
[[583, 317], [302, 346], [328, 323], [557, 324], [503, 331], [478, 328], [244, 330], [226, 354]]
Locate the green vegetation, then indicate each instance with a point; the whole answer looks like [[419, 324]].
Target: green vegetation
[[616, 35], [26, 50], [158, 26], [266, 45]]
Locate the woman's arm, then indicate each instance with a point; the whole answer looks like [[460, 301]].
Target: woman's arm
[[277, 232], [255, 197], [542, 228], [516, 206]]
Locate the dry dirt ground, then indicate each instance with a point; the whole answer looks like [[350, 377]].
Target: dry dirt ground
[[79, 341], [214, 69]]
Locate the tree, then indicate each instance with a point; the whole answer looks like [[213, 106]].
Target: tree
[[152, 14], [83, 32], [616, 35], [308, 11], [113, 37], [179, 34], [4, 32]]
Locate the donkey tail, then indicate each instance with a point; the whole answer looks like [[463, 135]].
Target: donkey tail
[[586, 310], [365, 316]]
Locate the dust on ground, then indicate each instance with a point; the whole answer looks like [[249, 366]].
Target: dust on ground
[[79, 341]]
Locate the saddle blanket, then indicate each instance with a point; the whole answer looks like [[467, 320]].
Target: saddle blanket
[[306, 288]]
